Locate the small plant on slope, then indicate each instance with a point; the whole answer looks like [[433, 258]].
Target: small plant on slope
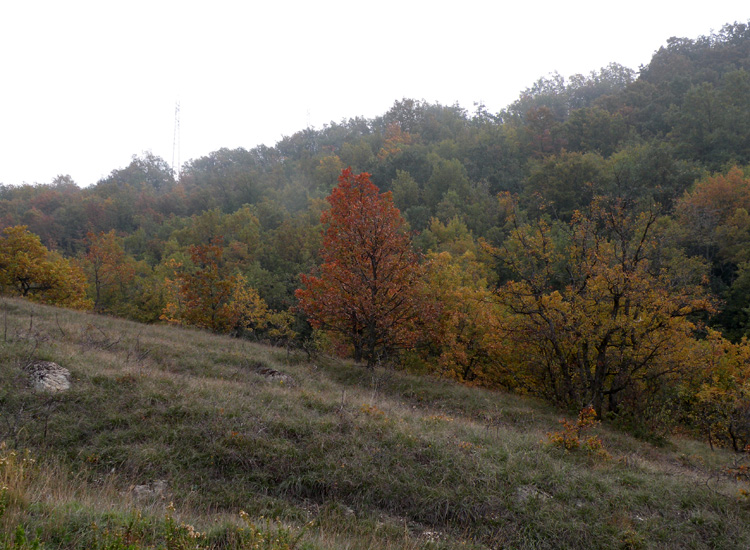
[[569, 438]]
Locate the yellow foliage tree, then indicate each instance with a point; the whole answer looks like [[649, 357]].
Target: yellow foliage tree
[[464, 337], [598, 311], [29, 269], [718, 398]]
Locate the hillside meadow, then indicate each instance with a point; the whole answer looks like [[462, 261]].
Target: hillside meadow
[[178, 438]]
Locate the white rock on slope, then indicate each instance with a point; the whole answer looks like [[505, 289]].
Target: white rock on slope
[[48, 376]]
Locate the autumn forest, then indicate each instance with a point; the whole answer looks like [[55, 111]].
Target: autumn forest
[[588, 245]]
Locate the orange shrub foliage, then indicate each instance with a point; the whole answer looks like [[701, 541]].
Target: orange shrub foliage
[[570, 436]]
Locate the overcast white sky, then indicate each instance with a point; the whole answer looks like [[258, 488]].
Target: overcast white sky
[[84, 85]]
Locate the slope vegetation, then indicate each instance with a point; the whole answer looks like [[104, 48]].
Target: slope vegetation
[[173, 438]]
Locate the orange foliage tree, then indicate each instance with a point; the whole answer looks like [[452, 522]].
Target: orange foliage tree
[[205, 295], [28, 269], [599, 313], [111, 269], [395, 138], [713, 220], [710, 209], [368, 290]]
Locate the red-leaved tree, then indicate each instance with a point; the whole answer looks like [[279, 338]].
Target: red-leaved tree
[[369, 288]]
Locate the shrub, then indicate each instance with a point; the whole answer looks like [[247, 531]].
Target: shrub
[[570, 436]]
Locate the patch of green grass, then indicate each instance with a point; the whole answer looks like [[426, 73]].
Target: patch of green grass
[[375, 459]]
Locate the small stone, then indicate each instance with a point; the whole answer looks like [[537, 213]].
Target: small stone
[[142, 491], [276, 376], [156, 489], [48, 376], [526, 492]]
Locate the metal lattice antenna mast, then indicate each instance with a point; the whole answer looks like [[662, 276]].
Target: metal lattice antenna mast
[[176, 141]]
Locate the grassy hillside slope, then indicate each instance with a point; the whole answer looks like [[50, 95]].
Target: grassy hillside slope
[[337, 456]]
